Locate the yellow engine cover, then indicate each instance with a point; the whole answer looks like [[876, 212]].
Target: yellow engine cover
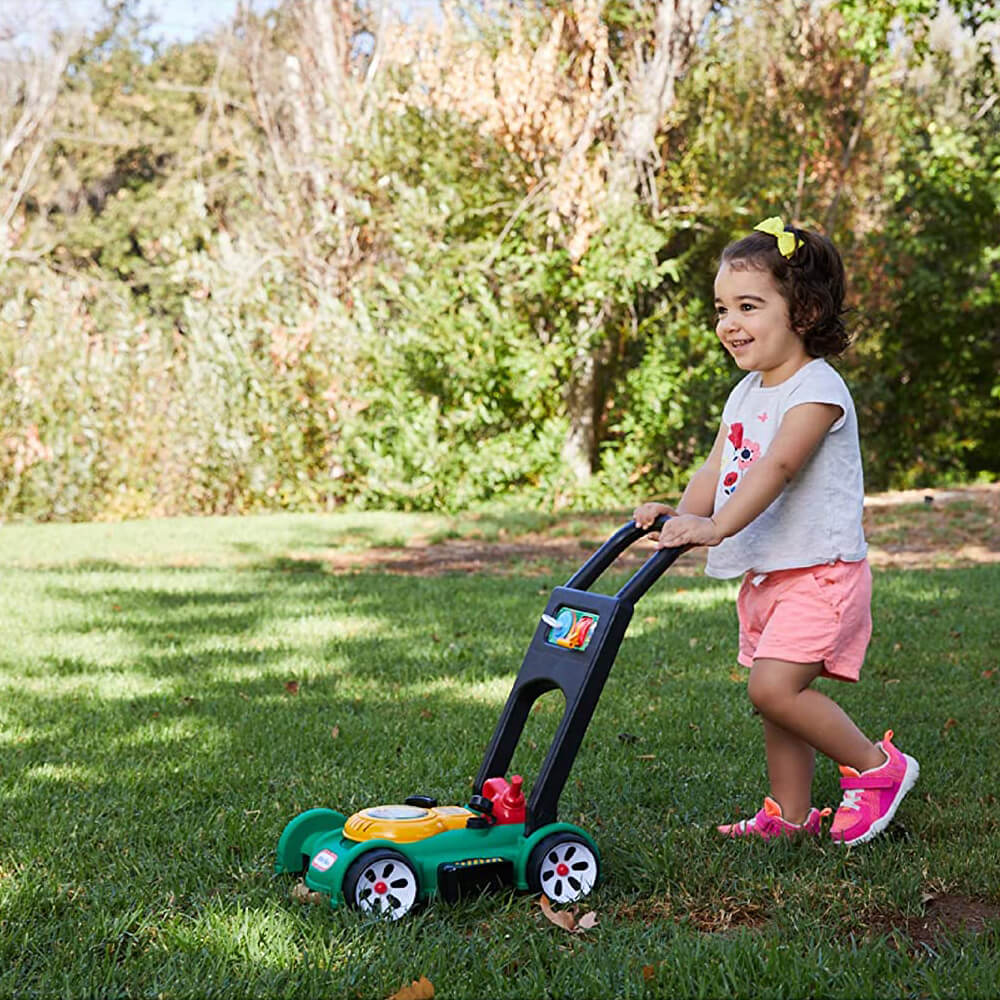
[[404, 824]]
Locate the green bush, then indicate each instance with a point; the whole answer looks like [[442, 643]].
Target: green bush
[[199, 319]]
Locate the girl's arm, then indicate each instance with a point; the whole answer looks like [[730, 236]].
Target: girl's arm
[[801, 431], [699, 495]]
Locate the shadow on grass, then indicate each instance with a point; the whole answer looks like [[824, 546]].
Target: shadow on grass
[[159, 760], [395, 659], [392, 634], [388, 626], [271, 692]]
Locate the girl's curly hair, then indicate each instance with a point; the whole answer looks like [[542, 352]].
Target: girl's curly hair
[[812, 281]]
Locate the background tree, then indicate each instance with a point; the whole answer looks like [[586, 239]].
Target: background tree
[[931, 282], [328, 256]]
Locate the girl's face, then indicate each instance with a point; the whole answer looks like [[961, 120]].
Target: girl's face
[[751, 320]]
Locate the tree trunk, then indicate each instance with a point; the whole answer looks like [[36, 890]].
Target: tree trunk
[[676, 26], [586, 392], [580, 447]]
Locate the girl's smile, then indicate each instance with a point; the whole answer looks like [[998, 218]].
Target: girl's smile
[[752, 323]]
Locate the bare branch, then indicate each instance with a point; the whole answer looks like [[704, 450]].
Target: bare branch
[[31, 75], [677, 25], [848, 154], [313, 96]]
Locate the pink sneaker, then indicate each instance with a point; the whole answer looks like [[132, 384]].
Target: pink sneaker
[[871, 798], [769, 823]]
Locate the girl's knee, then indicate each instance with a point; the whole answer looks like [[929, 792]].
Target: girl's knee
[[763, 692], [774, 684]]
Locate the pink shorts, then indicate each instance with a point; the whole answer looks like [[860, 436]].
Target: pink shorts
[[819, 614]]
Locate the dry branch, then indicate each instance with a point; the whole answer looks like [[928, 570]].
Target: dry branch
[[31, 75]]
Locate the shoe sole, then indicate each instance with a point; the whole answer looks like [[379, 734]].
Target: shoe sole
[[909, 780]]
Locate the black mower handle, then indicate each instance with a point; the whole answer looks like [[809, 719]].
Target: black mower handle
[[644, 577]]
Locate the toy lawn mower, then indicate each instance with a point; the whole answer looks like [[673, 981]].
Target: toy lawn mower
[[386, 859]]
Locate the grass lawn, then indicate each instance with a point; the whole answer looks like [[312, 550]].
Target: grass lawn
[[174, 692]]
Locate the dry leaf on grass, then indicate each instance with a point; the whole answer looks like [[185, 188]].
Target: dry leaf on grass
[[301, 893], [419, 989], [292, 687], [568, 919]]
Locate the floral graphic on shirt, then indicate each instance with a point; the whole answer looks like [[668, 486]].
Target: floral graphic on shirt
[[748, 454], [745, 453]]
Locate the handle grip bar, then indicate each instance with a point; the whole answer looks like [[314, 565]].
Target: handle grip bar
[[644, 577]]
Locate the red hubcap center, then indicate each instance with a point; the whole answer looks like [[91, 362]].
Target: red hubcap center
[[381, 888], [562, 869]]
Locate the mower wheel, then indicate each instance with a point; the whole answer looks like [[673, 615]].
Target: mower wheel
[[564, 867], [382, 882]]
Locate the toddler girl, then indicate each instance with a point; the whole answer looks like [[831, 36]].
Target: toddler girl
[[779, 501]]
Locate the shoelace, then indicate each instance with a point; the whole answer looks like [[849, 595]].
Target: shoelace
[[852, 799]]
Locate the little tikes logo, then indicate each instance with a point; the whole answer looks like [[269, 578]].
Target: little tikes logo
[[323, 861]]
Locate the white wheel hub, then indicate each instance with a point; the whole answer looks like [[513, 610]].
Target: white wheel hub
[[568, 871], [387, 886]]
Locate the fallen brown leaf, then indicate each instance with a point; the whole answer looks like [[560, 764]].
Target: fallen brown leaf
[[301, 893], [292, 687], [419, 989], [568, 919], [561, 918]]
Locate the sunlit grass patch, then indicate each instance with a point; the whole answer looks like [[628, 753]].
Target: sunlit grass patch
[[160, 725]]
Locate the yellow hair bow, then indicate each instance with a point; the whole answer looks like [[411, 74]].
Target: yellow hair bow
[[788, 242]]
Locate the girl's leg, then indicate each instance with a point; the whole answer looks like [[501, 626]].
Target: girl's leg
[[790, 765], [797, 720]]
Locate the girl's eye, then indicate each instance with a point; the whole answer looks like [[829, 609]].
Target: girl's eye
[[746, 306]]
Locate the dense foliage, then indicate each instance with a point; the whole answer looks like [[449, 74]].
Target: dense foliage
[[322, 258]]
